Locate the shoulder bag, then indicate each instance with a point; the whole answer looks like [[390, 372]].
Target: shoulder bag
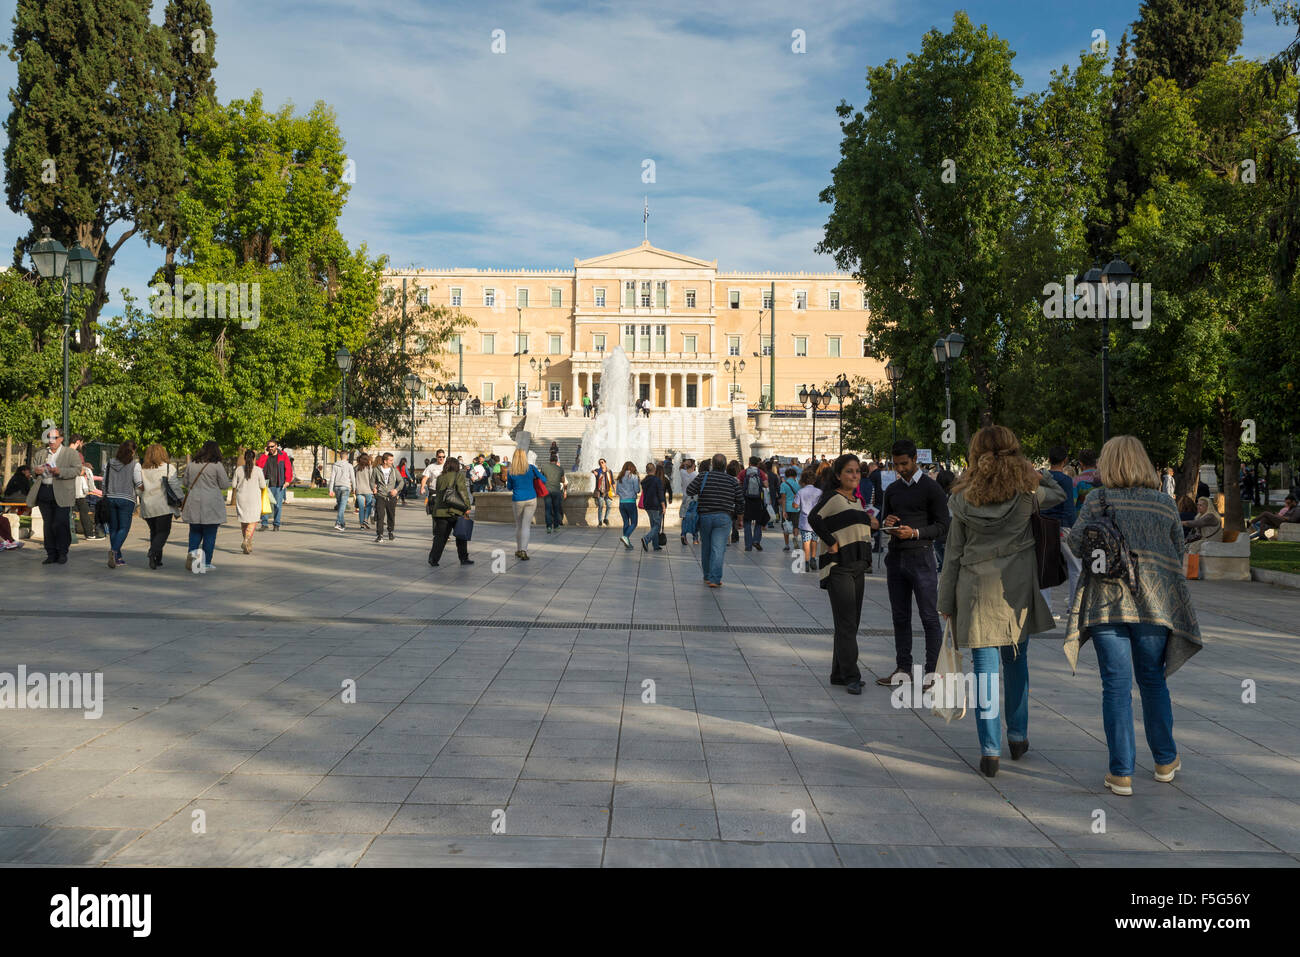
[[1102, 534], [1049, 562], [539, 484], [174, 498]]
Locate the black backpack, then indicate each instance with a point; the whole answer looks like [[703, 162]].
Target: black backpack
[[1103, 534]]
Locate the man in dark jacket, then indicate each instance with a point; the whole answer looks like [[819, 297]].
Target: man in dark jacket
[[753, 482], [721, 500], [915, 513], [653, 501]]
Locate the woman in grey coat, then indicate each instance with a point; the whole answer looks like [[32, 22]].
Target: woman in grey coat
[[988, 589], [205, 505]]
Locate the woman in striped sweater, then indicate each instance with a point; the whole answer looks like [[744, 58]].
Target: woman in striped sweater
[[845, 526]]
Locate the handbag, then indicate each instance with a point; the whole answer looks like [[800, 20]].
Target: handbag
[[174, 498], [948, 675], [539, 486], [663, 539], [787, 526], [1048, 560], [266, 500], [464, 528]]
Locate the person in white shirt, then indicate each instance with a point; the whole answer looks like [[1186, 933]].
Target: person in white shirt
[[343, 480], [807, 498], [429, 477]]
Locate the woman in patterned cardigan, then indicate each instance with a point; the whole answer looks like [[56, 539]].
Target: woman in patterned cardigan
[[1149, 633]]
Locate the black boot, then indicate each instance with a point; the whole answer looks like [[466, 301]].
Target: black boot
[[1018, 748], [988, 766]]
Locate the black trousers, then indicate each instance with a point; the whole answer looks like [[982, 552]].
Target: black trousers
[[911, 573], [845, 585], [57, 518], [160, 529], [442, 528], [385, 507], [86, 517]]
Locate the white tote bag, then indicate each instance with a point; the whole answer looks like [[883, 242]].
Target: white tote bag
[[949, 674]]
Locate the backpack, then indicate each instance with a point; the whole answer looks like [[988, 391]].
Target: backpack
[[1104, 535], [753, 484]]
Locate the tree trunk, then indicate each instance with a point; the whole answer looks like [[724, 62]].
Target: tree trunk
[[1232, 517], [4, 477], [1187, 477]]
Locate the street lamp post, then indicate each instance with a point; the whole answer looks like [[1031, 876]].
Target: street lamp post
[[813, 401], [1098, 282], [344, 360], [895, 375], [540, 368], [450, 396], [945, 351], [733, 368], [841, 390], [412, 383], [75, 267]]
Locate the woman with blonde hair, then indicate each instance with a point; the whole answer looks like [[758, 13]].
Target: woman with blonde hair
[[1207, 526], [1141, 623], [628, 489], [155, 509], [988, 589], [523, 494]]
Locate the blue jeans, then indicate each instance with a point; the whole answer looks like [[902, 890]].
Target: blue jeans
[[341, 495], [277, 503], [628, 511], [1015, 668], [1126, 651], [651, 537], [365, 505], [602, 508], [205, 535], [715, 529], [753, 533], [554, 510], [119, 523]]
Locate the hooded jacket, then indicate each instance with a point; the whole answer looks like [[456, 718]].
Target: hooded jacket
[[989, 583]]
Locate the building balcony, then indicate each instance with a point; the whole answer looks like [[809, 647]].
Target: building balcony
[[657, 358]]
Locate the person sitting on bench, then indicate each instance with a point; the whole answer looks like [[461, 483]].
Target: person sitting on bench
[[1272, 520]]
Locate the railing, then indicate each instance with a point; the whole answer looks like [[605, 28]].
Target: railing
[[649, 356]]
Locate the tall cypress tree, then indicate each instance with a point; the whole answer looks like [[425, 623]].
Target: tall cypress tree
[[191, 59], [92, 142]]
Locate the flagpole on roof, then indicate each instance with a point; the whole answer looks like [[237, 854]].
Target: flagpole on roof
[[645, 220]]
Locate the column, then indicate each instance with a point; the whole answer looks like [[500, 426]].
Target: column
[[575, 397]]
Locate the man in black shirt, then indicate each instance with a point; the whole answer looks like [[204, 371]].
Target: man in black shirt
[[915, 513]]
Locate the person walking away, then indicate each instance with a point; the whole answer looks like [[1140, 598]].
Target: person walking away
[[805, 501], [787, 493], [1087, 479], [450, 498], [1167, 483], [604, 492], [249, 481], [720, 499], [688, 512], [523, 496], [1141, 624], [666, 476], [385, 485], [364, 483], [343, 479], [53, 491], [654, 503], [122, 484], [85, 511], [841, 521], [1063, 513], [988, 589], [204, 509], [405, 484], [755, 485], [916, 513], [557, 485], [278, 468], [628, 490], [157, 512]]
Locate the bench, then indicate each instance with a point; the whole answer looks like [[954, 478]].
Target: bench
[[1228, 560], [37, 532], [1288, 532]]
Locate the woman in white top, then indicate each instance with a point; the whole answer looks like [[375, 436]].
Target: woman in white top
[[807, 499], [154, 507], [249, 482], [685, 476], [343, 479], [205, 505], [84, 484]]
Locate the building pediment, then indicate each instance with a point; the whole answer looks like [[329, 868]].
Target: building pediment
[[644, 256]]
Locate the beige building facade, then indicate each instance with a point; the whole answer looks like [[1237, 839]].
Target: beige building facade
[[685, 327]]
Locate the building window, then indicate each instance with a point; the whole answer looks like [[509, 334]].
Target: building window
[[801, 299], [629, 338], [521, 342], [455, 295], [521, 395], [489, 343], [422, 297], [557, 298], [733, 345], [801, 345], [645, 294], [555, 391], [661, 338], [488, 390], [390, 295], [521, 298], [661, 295], [598, 341], [453, 343], [833, 346], [766, 347], [733, 298], [690, 298], [767, 394], [553, 345], [489, 297], [734, 389], [767, 298], [629, 294], [866, 348], [688, 344], [835, 300], [643, 344], [864, 300], [600, 297]]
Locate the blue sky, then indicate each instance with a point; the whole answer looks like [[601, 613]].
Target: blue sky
[[532, 157]]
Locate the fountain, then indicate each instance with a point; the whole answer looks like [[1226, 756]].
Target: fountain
[[616, 434]]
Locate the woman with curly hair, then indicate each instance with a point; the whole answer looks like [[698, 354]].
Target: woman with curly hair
[[989, 585]]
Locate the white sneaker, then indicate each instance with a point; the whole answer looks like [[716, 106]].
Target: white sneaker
[[339, 528]]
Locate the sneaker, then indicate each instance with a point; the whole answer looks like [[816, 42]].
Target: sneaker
[[379, 540], [1120, 785], [758, 547], [392, 537], [468, 561], [365, 525], [623, 539], [121, 560], [1165, 772], [645, 546], [523, 556], [786, 549], [6, 546], [339, 528], [888, 680]]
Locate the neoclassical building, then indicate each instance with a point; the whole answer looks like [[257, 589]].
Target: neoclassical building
[[685, 326]]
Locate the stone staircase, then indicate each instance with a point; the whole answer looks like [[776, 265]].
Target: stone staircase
[[693, 434]]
